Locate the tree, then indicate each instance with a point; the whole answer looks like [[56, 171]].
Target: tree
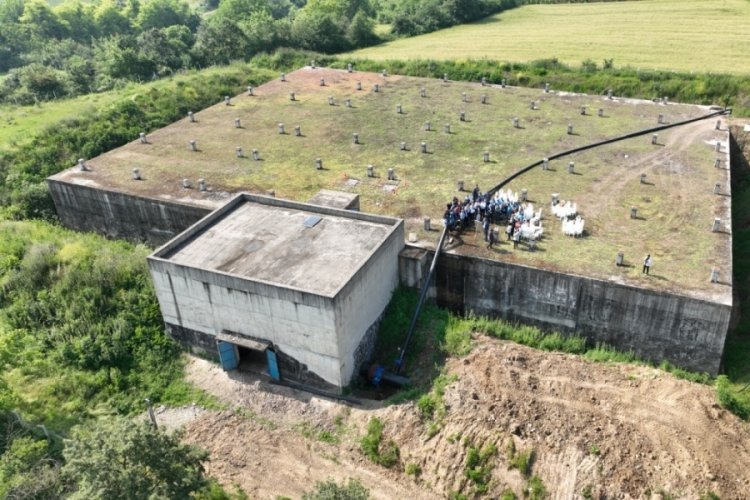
[[110, 20], [41, 21], [219, 41], [318, 31], [78, 20], [124, 460], [155, 14]]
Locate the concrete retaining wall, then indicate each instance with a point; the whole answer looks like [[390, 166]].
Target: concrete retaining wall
[[689, 333], [118, 215]]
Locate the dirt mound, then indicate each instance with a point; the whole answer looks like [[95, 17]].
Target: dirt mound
[[595, 430]]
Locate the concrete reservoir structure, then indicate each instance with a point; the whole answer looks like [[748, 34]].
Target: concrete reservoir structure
[[307, 284]]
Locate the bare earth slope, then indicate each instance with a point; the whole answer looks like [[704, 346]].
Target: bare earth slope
[[615, 431]]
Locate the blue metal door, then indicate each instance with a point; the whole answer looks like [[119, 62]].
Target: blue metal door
[[227, 355], [273, 366]]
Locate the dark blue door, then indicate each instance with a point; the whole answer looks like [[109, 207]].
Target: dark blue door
[[273, 366], [227, 355]]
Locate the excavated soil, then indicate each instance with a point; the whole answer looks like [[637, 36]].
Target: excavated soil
[[596, 431]]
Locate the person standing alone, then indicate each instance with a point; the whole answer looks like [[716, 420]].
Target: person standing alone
[[647, 264]]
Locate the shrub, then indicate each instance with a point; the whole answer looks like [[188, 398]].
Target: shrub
[[330, 490], [371, 445], [728, 400]]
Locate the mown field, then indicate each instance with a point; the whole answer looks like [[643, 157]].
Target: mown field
[[673, 35]]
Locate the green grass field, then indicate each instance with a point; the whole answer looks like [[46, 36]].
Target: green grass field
[[676, 35]]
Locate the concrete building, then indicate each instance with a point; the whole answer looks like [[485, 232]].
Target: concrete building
[[307, 284]]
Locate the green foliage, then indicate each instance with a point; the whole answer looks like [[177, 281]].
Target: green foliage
[[728, 400], [478, 466], [508, 494], [413, 469], [331, 490], [537, 491], [122, 459], [373, 448]]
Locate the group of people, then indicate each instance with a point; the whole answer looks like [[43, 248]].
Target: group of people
[[521, 222]]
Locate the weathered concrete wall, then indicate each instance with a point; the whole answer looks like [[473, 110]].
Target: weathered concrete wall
[[361, 302], [654, 325], [298, 324], [118, 215]]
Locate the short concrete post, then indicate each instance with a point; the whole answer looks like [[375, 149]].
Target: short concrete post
[[186, 183], [633, 213], [227, 100], [545, 164], [191, 117], [447, 128], [717, 188], [717, 225], [718, 124], [292, 97], [571, 167], [643, 178], [660, 119], [201, 185], [355, 138], [359, 85], [413, 237], [620, 259], [462, 116], [463, 97], [283, 77], [237, 123], [570, 129], [427, 126], [281, 128], [532, 105], [142, 137], [349, 67], [331, 101], [483, 99], [385, 72], [399, 109], [322, 82], [486, 156], [150, 411], [546, 88], [312, 64], [256, 155], [503, 83], [423, 147], [391, 175], [718, 146], [422, 92], [193, 146], [445, 77], [609, 94], [238, 152], [318, 164], [249, 90], [600, 113], [524, 194], [583, 110], [370, 171], [376, 88], [136, 174], [714, 275], [298, 131], [555, 198], [717, 163], [460, 185], [516, 122], [484, 81], [271, 193], [348, 103], [403, 146], [665, 100], [427, 224], [655, 139]]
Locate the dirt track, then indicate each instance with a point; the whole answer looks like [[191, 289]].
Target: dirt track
[[614, 431]]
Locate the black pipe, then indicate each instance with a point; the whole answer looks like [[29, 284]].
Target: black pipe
[[422, 295], [630, 135], [314, 390]]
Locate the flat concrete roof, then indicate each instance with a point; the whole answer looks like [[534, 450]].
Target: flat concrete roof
[[294, 245]]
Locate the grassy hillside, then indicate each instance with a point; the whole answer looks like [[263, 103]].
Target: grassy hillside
[[678, 35]]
